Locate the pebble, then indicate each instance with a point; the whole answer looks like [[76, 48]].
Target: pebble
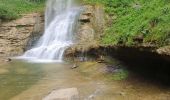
[[8, 60], [74, 66]]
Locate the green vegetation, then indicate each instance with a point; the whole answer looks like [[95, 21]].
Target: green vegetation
[[131, 21], [12, 9], [136, 22], [120, 75]]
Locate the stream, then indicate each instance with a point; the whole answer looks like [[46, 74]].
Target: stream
[[21, 80]]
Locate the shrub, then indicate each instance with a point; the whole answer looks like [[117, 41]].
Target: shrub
[[12, 9], [7, 13]]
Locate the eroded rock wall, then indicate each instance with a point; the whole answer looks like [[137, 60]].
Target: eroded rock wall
[[15, 35], [91, 27]]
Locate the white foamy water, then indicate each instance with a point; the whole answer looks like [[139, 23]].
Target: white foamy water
[[60, 21]]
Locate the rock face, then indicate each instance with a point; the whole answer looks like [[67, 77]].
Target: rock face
[[164, 50], [92, 23], [91, 28], [63, 94], [15, 35]]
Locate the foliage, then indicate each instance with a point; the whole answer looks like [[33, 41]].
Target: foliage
[[12, 9], [132, 18], [7, 13]]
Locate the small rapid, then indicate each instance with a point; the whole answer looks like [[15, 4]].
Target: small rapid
[[60, 24]]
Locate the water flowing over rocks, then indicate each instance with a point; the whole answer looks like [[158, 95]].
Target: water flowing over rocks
[[90, 30], [19, 35], [61, 18], [92, 23], [15, 35]]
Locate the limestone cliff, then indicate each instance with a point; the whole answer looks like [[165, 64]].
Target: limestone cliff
[[91, 27], [16, 35], [92, 23]]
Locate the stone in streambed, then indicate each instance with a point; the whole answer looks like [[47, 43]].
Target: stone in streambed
[[101, 59], [63, 94], [74, 66], [8, 60], [112, 69]]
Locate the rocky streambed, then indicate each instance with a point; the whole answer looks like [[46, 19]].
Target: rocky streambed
[[21, 80]]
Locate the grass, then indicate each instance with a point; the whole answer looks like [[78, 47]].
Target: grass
[[13, 9], [149, 19]]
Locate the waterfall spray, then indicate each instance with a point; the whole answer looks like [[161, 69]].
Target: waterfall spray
[[60, 21]]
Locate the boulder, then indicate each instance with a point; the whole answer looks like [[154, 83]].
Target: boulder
[[63, 94]]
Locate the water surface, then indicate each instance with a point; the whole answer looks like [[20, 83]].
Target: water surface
[[32, 81]]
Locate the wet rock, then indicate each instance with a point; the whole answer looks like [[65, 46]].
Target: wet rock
[[91, 97], [8, 60], [101, 59], [74, 66], [84, 19], [99, 20], [121, 93], [91, 27], [112, 68], [63, 94]]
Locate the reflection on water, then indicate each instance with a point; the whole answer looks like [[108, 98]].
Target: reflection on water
[[16, 77], [25, 81]]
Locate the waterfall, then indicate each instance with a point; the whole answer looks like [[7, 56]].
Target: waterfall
[[60, 21]]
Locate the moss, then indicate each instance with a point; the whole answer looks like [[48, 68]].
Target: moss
[[120, 75]]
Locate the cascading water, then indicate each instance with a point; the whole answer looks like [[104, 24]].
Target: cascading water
[[60, 21]]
